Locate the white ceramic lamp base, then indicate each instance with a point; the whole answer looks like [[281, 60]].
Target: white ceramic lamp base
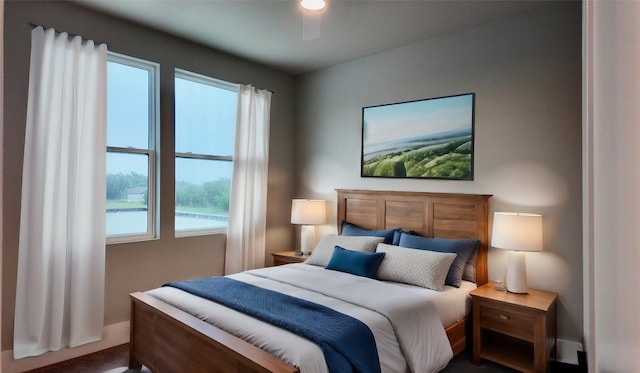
[[516, 272], [307, 238]]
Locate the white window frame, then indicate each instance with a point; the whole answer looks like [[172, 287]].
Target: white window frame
[[152, 152], [203, 79]]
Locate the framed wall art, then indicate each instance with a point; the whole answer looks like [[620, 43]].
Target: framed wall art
[[426, 139]]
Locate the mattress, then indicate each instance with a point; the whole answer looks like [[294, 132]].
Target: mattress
[[399, 316]]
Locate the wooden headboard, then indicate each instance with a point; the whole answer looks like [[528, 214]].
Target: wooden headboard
[[442, 215]]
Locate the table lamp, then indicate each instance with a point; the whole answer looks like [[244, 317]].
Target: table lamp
[[517, 232], [307, 212]]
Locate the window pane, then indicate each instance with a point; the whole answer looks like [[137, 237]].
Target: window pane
[[202, 193], [127, 193], [127, 106], [205, 118]]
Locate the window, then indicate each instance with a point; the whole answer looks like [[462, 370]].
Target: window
[[131, 148], [205, 117]]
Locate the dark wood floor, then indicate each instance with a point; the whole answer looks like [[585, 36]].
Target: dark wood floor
[[116, 359], [111, 360]]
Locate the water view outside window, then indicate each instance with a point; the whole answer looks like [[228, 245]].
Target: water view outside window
[[202, 193], [205, 116], [131, 118]]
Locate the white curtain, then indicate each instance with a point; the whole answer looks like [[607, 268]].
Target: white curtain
[[248, 201], [61, 261]]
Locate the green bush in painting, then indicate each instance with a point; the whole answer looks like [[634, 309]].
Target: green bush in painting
[[399, 170], [384, 168], [390, 168], [464, 148]]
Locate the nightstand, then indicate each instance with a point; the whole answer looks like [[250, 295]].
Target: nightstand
[[515, 330], [286, 257]]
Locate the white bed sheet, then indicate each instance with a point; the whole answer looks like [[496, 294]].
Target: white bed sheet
[[310, 282], [452, 304]]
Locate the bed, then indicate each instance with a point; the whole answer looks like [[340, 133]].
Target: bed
[[166, 339]]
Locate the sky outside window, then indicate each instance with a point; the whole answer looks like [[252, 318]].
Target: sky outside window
[[205, 118], [128, 106], [205, 115]]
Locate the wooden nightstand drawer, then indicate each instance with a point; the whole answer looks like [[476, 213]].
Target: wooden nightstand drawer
[[506, 321]]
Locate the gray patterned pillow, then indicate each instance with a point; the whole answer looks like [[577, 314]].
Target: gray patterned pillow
[[413, 266], [324, 249]]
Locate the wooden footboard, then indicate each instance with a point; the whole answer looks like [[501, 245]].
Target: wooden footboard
[[166, 339]]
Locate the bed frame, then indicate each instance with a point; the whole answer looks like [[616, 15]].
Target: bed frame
[[166, 339]]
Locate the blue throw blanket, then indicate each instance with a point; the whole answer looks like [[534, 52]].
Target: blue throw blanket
[[347, 343]]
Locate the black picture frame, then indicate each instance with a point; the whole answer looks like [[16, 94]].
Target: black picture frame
[[431, 138]]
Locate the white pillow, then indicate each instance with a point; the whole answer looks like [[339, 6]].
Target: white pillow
[[324, 249], [414, 266]]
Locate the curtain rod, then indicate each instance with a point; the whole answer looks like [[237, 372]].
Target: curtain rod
[[264, 89], [33, 25], [205, 78]]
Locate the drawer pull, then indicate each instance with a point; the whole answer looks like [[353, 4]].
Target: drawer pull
[[504, 317]]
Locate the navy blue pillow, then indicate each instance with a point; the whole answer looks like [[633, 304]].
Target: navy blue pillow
[[355, 262], [349, 229], [464, 249]]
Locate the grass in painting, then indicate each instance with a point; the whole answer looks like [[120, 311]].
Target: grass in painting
[[451, 160]]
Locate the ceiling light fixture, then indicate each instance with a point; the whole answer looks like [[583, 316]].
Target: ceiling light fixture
[[313, 4]]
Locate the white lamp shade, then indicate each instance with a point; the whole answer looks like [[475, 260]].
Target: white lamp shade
[[308, 212], [517, 231]]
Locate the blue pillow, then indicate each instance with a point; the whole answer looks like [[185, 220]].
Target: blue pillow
[[396, 236], [349, 229], [464, 249], [355, 262]]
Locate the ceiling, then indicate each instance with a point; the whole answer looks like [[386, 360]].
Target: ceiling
[[271, 31]]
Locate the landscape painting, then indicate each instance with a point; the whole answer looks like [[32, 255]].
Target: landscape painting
[[431, 138]]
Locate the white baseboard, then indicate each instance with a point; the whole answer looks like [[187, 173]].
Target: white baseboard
[[113, 335], [567, 351]]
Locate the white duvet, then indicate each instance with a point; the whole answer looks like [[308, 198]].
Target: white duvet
[[406, 325]]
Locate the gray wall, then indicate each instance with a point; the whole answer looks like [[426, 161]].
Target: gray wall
[[144, 265], [526, 73]]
